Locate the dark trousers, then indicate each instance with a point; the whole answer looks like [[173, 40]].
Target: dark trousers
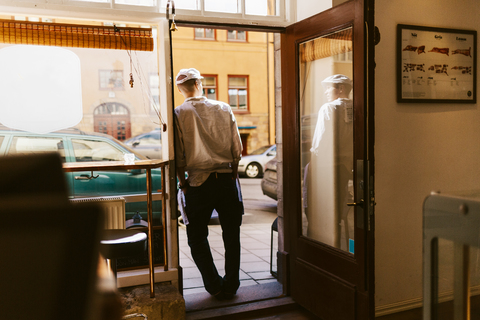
[[218, 192]]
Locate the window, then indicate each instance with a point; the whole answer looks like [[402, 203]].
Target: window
[[205, 34], [209, 83], [238, 92], [252, 7], [230, 6], [111, 79], [90, 150], [37, 145], [235, 35]]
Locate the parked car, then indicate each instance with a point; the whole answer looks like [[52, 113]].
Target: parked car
[[147, 144], [269, 181], [74, 145], [253, 165]]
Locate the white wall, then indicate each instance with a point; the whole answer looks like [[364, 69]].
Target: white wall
[[418, 148]]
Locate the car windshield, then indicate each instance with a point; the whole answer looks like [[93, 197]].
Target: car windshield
[[260, 151]]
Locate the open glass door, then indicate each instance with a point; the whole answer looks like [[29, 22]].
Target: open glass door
[[328, 160]]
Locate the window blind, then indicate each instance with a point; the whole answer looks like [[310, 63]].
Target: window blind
[[80, 36], [327, 46]]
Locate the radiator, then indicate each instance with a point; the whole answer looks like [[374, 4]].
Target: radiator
[[113, 210]]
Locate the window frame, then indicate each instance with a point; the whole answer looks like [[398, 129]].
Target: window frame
[[237, 109], [205, 38], [285, 8], [236, 36], [209, 87], [105, 10]]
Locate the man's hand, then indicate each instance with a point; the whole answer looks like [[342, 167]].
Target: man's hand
[[184, 186], [183, 183], [234, 170]]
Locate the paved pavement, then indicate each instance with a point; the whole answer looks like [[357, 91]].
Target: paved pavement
[[255, 237]]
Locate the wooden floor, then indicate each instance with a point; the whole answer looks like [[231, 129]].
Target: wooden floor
[[264, 301]]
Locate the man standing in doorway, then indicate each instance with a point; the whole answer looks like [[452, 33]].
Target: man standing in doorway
[[208, 148]]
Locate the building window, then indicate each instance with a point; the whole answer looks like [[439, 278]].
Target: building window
[[205, 34], [209, 83], [238, 92], [235, 35], [111, 79]]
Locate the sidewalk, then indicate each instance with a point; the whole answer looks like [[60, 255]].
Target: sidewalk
[[255, 257]]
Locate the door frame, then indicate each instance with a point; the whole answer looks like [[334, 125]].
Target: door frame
[[361, 17], [288, 126]]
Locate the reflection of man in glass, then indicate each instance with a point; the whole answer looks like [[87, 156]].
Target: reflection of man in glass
[[329, 173], [337, 89]]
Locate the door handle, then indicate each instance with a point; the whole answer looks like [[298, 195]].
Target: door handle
[[354, 204], [86, 177]]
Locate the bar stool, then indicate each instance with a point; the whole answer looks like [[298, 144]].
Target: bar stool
[[121, 243]]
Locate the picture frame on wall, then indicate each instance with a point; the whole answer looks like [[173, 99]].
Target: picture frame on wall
[[436, 65]]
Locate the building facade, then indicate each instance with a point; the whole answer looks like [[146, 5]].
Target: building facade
[[238, 69]]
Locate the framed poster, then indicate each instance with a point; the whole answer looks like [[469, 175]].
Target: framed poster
[[436, 65]]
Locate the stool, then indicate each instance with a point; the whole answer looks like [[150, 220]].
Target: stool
[[121, 243]]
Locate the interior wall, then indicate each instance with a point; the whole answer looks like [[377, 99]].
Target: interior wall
[[419, 148]]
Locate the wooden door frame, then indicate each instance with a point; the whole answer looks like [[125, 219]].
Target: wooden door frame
[[331, 258]]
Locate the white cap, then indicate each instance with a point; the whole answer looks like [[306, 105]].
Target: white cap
[[338, 78], [187, 74]]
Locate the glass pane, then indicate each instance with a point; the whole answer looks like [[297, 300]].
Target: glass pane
[[210, 94], [125, 114], [231, 34], [199, 32], [326, 110], [102, 1], [89, 150], [210, 33], [182, 4], [241, 35], [237, 82], [228, 6], [36, 145], [209, 81], [262, 7], [147, 3], [242, 99], [232, 97]]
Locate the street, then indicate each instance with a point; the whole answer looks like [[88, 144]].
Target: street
[[260, 212]]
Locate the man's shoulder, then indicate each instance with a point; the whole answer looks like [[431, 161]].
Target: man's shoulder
[[184, 106], [224, 106]]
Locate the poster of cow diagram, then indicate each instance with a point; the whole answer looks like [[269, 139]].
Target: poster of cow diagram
[[436, 65]]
